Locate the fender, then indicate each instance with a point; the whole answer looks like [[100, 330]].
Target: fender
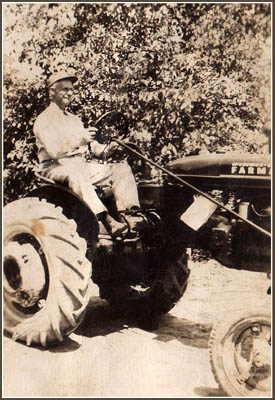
[[73, 207]]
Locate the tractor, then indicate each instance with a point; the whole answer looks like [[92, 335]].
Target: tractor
[[220, 203]]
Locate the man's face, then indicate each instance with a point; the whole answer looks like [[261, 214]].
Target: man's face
[[62, 93]]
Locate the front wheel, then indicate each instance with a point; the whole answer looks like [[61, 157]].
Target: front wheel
[[240, 354], [46, 272]]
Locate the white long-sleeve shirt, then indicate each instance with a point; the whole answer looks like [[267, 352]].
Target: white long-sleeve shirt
[[60, 134]]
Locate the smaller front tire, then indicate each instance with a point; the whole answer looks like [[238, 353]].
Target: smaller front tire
[[240, 354]]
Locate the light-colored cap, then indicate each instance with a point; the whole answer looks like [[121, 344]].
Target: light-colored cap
[[58, 76]]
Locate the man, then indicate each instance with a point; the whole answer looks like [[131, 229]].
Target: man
[[61, 139]]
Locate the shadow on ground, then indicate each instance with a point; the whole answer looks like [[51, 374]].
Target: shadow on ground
[[101, 320], [187, 332]]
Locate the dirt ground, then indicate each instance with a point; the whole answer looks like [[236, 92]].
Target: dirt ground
[[106, 357]]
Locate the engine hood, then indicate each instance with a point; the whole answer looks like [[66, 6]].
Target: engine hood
[[227, 164]]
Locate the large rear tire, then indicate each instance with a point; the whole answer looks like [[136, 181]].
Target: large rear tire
[[46, 273], [240, 354]]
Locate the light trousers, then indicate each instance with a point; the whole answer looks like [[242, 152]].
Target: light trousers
[[83, 177]]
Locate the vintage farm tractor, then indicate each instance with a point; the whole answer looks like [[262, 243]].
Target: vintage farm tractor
[[240, 345], [52, 249]]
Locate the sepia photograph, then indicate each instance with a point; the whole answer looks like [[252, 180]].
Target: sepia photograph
[[136, 199]]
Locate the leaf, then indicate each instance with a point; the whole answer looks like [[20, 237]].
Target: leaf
[[192, 74]]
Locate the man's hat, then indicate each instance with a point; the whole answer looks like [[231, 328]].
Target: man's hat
[[58, 76]]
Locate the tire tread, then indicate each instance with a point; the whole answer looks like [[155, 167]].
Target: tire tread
[[69, 271]]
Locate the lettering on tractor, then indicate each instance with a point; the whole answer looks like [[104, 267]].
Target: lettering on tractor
[[250, 169]]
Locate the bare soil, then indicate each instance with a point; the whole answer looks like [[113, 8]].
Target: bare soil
[[106, 357]]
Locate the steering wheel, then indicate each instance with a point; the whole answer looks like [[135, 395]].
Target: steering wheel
[[111, 125], [115, 125]]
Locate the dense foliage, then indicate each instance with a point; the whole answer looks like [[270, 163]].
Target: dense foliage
[[190, 77]]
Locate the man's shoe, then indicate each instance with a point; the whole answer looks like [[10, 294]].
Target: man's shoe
[[102, 230], [115, 229], [104, 239]]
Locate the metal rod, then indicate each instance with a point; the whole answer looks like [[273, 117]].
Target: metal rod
[[207, 196]]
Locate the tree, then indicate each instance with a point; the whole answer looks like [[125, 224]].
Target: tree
[[192, 77]]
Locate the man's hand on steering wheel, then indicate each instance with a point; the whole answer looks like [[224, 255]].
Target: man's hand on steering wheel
[[111, 148], [114, 146]]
